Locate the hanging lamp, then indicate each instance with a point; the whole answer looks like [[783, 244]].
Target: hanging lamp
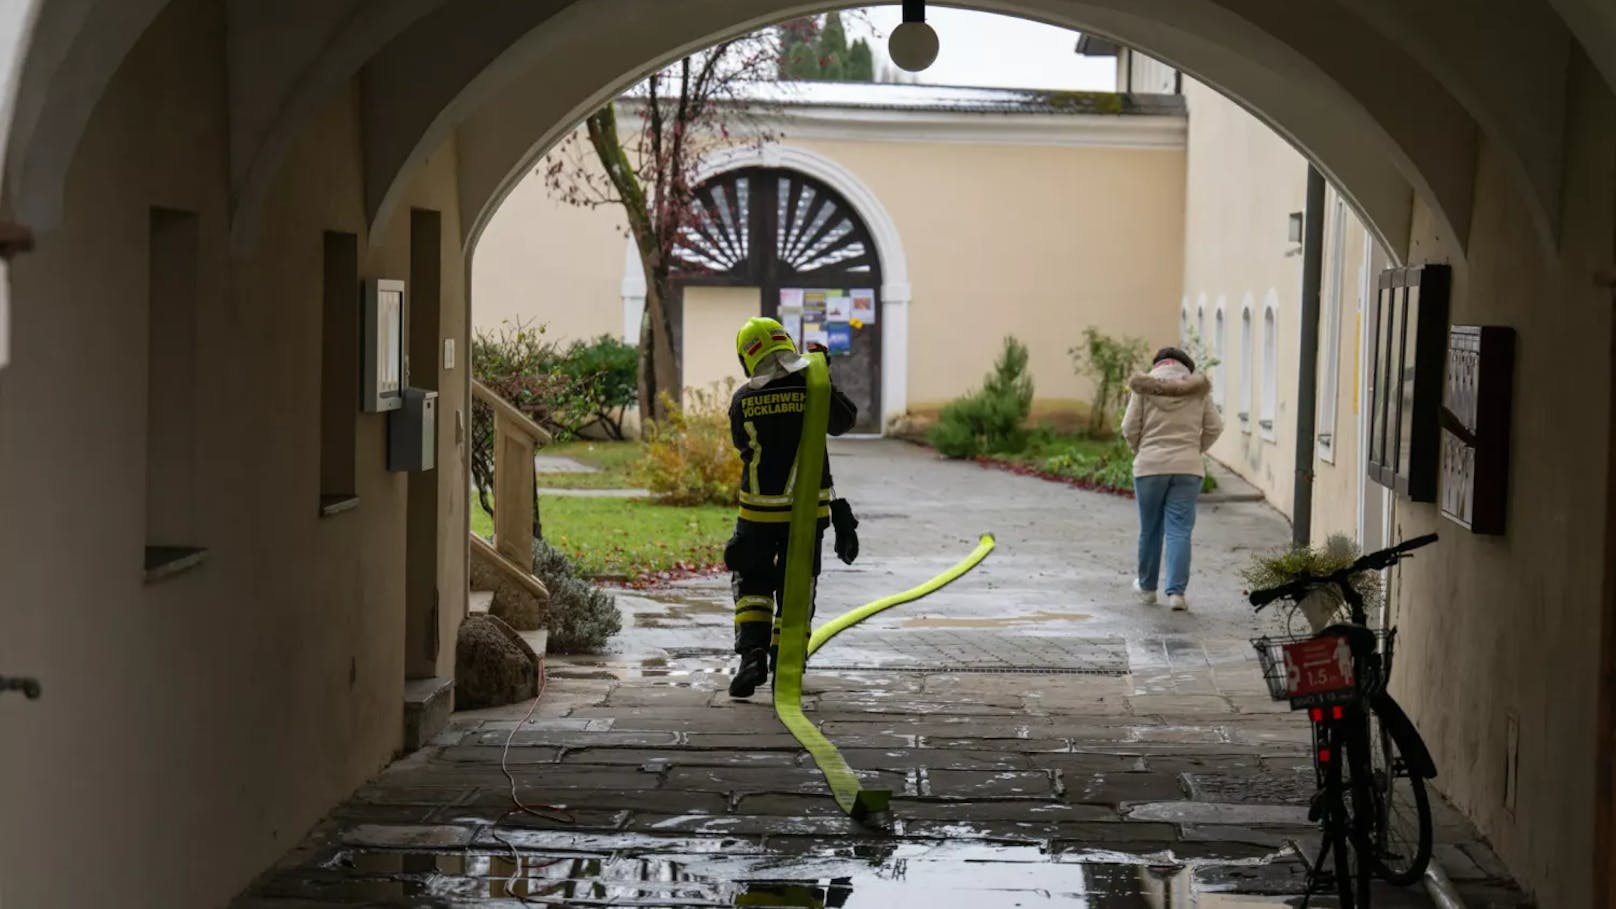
[[913, 45]]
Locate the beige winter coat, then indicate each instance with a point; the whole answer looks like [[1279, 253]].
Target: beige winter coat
[[1171, 421]]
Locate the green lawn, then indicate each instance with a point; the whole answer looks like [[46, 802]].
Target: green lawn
[[628, 538], [615, 460]]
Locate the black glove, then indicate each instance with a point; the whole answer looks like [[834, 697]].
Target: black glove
[[846, 526]]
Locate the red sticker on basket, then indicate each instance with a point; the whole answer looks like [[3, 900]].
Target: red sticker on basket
[[1319, 670]]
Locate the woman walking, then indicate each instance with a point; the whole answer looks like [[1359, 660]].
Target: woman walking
[[1170, 423]]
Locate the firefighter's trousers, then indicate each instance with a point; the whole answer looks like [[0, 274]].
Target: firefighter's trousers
[[756, 557]]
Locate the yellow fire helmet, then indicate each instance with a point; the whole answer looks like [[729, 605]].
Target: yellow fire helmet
[[758, 338]]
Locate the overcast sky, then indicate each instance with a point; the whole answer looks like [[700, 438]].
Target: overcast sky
[[987, 49]]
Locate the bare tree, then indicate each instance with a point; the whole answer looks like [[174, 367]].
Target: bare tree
[[675, 118]]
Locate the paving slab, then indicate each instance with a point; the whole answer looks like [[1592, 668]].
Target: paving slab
[[681, 757], [1120, 788], [971, 784]]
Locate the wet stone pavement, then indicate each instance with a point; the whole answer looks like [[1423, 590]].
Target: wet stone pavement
[[1048, 741]]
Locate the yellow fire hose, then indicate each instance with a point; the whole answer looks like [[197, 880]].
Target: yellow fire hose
[[868, 806], [846, 620]]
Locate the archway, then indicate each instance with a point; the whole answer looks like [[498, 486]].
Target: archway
[[1438, 119]]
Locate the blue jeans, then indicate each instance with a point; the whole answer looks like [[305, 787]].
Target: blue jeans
[[1166, 510]]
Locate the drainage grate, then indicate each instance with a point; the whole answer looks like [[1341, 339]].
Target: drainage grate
[[982, 670], [975, 651]]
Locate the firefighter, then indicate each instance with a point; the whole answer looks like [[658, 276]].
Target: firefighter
[[765, 421]]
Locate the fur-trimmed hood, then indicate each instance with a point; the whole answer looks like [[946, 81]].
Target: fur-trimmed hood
[[1171, 383]]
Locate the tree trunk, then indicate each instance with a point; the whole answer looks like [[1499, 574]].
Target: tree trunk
[[659, 363]]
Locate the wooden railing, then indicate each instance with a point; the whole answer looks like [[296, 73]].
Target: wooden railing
[[516, 440]]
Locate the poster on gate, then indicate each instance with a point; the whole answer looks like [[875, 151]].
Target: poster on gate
[[863, 305], [839, 338]]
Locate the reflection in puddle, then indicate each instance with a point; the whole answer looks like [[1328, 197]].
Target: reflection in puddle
[[880, 874]]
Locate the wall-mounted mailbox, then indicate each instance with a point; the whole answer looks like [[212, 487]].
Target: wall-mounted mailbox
[[412, 432], [1475, 426], [385, 372]]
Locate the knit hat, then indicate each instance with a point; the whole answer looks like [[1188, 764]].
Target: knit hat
[[1173, 353]]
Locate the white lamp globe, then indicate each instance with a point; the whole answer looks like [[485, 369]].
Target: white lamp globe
[[913, 46]]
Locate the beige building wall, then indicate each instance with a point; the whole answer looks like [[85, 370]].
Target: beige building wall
[[1350, 265], [712, 316], [1502, 633], [1036, 242], [1243, 183], [192, 728], [1492, 629], [1032, 241], [541, 261]]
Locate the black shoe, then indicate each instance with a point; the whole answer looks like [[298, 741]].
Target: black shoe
[[754, 671]]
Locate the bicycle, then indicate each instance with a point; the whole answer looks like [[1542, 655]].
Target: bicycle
[[1370, 762]]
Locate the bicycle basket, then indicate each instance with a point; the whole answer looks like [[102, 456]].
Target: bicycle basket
[[1308, 671]]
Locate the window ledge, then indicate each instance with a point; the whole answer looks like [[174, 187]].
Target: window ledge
[[164, 562], [331, 505]]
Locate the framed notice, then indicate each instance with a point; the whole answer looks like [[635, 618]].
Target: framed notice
[[1408, 351], [384, 376]]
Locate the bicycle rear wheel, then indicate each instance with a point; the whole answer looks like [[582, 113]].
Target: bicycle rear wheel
[[1403, 836]]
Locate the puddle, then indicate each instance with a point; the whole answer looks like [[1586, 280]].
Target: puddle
[[1031, 618], [856, 874]]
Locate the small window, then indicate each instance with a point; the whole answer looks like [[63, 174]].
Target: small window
[[1330, 325], [1270, 368], [1184, 321], [1217, 369], [173, 296], [1247, 365], [1200, 322], [339, 373]]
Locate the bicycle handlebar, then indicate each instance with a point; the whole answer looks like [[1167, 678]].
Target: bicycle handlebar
[[1374, 561]]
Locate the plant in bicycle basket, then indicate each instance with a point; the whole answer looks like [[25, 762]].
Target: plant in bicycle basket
[[1323, 606]]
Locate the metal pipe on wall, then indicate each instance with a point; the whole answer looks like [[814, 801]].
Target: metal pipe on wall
[[1308, 358]]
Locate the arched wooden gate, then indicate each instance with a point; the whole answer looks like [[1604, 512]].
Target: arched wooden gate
[[811, 257]]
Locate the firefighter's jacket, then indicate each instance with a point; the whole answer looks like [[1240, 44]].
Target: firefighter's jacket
[[766, 424]]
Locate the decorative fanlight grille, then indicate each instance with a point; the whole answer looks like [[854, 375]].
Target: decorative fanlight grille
[[716, 237], [802, 229], [817, 231]]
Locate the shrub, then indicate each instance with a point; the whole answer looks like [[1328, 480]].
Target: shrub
[[566, 392], [581, 616], [518, 364], [603, 373], [991, 420], [690, 458], [1111, 467], [1108, 362]]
